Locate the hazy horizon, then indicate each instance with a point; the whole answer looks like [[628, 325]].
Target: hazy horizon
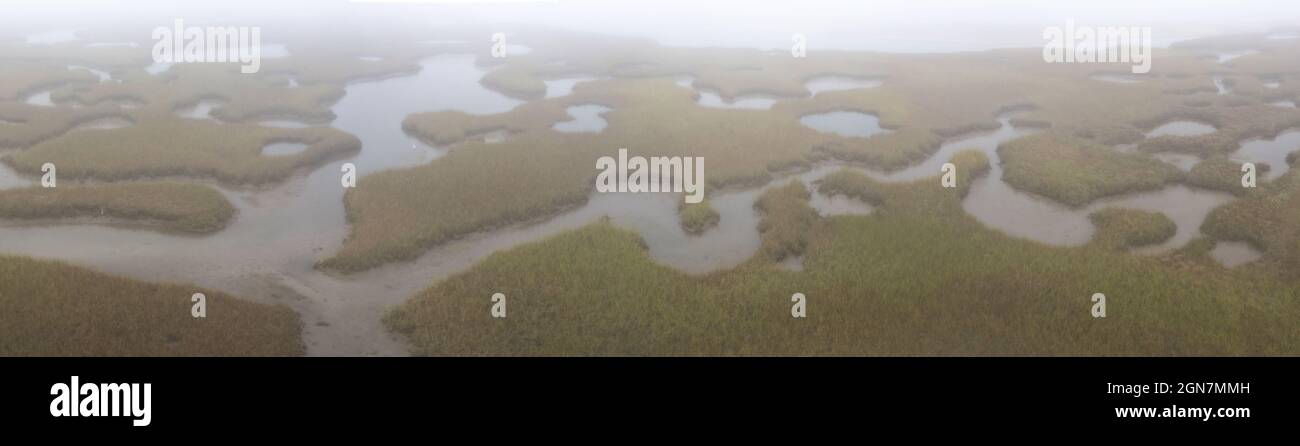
[[892, 26]]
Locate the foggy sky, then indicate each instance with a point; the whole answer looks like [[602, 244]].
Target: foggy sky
[[912, 24]]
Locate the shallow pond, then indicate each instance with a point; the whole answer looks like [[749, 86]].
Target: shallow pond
[[556, 88], [1181, 128], [104, 124], [1272, 151], [822, 84], [586, 119], [851, 124], [103, 76], [1118, 78], [200, 110], [745, 101], [284, 149], [1182, 161], [40, 99], [1234, 254], [1226, 57]]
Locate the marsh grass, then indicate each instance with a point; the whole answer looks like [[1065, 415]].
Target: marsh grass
[[1268, 219], [53, 309], [1119, 228], [787, 221], [695, 218], [920, 100], [1223, 174], [916, 277], [1076, 172], [176, 207], [19, 78], [540, 172], [229, 153], [36, 124]]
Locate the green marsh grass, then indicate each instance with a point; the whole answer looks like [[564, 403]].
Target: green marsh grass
[[697, 217], [1119, 228], [1076, 172]]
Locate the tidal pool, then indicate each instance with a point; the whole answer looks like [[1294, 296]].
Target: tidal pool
[[495, 136], [710, 98], [851, 124], [822, 84], [284, 124], [563, 87], [1182, 161], [1272, 151], [1181, 128], [201, 110], [586, 119], [104, 124], [1234, 254], [1226, 57], [1221, 86], [830, 206], [8, 178], [40, 99], [1118, 78], [103, 76], [158, 68], [791, 263], [283, 149]]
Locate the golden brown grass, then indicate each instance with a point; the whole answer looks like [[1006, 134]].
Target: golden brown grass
[[18, 79], [539, 172], [53, 309], [182, 147], [921, 101], [170, 206], [917, 277]]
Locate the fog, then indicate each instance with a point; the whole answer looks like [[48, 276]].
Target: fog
[[900, 26]]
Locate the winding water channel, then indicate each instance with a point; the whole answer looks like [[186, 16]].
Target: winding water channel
[[267, 253]]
